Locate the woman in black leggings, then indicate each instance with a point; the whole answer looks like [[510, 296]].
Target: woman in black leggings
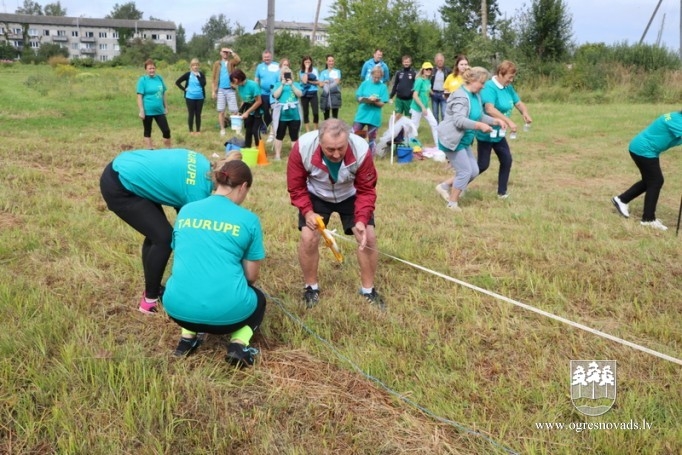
[[135, 186], [193, 84]]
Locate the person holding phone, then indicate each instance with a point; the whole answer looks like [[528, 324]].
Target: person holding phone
[[288, 94]]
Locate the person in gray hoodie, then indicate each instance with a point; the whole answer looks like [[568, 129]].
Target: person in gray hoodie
[[464, 115]]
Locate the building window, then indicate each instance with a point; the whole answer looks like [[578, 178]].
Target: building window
[[155, 36], [17, 31], [117, 48], [61, 32], [46, 32], [102, 34], [169, 37], [89, 46], [89, 34], [35, 44], [75, 46], [102, 47], [74, 33], [114, 35], [32, 32], [103, 58]]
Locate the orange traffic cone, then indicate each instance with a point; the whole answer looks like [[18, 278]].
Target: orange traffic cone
[[262, 157]]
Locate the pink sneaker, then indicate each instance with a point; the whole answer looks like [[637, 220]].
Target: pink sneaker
[[146, 307]]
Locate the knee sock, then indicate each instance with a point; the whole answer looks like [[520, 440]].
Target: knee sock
[[243, 335]]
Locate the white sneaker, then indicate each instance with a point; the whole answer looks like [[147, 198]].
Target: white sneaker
[[503, 196], [454, 206], [270, 138], [621, 207], [444, 193], [222, 132], [656, 224]]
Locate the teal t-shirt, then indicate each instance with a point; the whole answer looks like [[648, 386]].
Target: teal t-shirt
[[249, 92], [663, 133], [152, 90], [422, 86], [370, 114], [503, 98], [475, 114], [172, 177], [289, 102], [207, 285]]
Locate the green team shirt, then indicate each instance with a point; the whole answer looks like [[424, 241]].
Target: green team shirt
[[152, 90], [369, 114], [249, 92], [503, 98], [207, 285], [422, 87], [663, 133], [172, 177], [289, 102]]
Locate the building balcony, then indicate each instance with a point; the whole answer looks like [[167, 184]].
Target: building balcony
[[60, 39], [89, 51], [88, 39]]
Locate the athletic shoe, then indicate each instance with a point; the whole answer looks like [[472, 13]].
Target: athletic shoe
[[311, 297], [271, 137], [374, 298], [503, 196], [240, 355], [454, 207], [621, 207], [443, 191], [146, 307], [222, 132], [656, 224], [186, 346]]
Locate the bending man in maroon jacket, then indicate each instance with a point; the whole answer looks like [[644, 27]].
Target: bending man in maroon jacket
[[331, 170]]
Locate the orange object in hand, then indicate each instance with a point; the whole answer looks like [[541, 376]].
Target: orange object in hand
[[329, 239]]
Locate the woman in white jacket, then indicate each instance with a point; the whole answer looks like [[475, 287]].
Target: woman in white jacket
[[464, 114]]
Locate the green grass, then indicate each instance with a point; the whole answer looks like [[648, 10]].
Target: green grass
[[82, 372]]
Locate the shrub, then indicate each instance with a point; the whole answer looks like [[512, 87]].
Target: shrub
[[57, 60], [66, 71]]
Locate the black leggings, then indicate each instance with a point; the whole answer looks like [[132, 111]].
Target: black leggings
[[253, 321], [194, 108], [252, 126], [335, 113], [294, 126], [310, 100], [651, 184], [162, 123], [147, 218]]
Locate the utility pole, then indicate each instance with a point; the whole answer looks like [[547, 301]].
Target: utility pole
[[484, 18], [317, 17], [270, 32], [650, 21]]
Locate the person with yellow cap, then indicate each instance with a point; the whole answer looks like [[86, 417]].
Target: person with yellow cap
[[421, 94]]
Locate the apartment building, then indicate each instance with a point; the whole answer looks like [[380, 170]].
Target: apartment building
[[304, 29], [83, 37]]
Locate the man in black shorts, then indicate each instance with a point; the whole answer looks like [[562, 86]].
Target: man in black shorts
[[331, 170]]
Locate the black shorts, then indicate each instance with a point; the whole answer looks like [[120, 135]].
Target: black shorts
[[345, 209]]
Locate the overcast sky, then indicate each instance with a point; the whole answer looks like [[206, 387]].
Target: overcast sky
[[608, 21]]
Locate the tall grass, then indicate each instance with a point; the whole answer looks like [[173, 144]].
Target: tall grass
[[81, 371]]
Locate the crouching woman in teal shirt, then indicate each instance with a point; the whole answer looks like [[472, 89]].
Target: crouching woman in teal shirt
[[218, 246]]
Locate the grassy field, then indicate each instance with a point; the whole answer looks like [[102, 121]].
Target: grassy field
[[446, 369]]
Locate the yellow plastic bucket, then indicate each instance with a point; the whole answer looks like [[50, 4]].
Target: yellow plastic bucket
[[250, 156]]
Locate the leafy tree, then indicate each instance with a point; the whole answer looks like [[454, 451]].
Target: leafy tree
[[139, 50], [54, 9], [216, 27], [463, 21], [48, 50], [201, 47], [124, 11], [181, 41], [30, 7], [546, 30], [7, 52], [396, 27]]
